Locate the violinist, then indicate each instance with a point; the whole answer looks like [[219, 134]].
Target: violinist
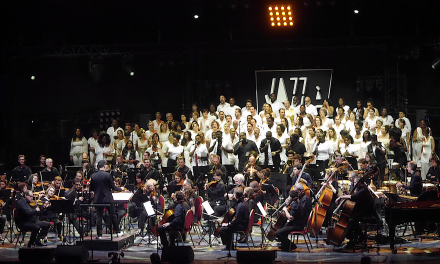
[[88, 168], [21, 188], [6, 194], [120, 167], [49, 167], [216, 192], [76, 195], [215, 165], [240, 221], [364, 207], [295, 221], [151, 194], [265, 185], [177, 180], [239, 182], [257, 196], [47, 214], [120, 209], [34, 185], [57, 183], [28, 220], [183, 169], [149, 171], [178, 222]]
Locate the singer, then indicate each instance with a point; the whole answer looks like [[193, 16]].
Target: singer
[[243, 148], [271, 147], [322, 150]]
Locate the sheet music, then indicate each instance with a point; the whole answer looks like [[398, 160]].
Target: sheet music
[[149, 208], [207, 207], [263, 212], [118, 197]]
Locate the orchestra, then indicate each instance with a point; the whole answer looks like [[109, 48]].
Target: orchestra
[[308, 188]]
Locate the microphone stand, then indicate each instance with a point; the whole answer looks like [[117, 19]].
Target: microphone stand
[[228, 256]]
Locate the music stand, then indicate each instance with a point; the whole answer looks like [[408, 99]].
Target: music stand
[[90, 224], [62, 207], [394, 198], [173, 188], [168, 171], [17, 176], [48, 176], [230, 168], [280, 181], [209, 212], [151, 212], [353, 162], [74, 168], [37, 169], [70, 175], [131, 175]]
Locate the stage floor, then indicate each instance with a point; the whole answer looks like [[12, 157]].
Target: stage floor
[[425, 249]]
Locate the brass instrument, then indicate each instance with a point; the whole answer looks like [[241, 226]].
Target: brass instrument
[[287, 166]]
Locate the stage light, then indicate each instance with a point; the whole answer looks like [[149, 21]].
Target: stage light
[[196, 16], [356, 11], [128, 65], [281, 13], [33, 77], [273, 24], [435, 63]]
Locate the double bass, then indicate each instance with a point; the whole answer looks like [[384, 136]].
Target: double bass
[[298, 179], [337, 233]]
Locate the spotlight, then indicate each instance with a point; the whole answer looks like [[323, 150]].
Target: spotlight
[[281, 13], [196, 16], [33, 77], [435, 63], [356, 11]]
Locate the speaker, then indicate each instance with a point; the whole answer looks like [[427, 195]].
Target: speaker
[[256, 256], [35, 254], [71, 254], [181, 254]]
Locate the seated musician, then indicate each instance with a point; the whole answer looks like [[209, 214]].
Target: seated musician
[[49, 167], [2, 226], [265, 186], [120, 168], [88, 168], [216, 192], [239, 182], [22, 167], [78, 197], [149, 171], [120, 208], [250, 170], [371, 169], [7, 202], [258, 196], [217, 166], [151, 194], [183, 169], [305, 177], [28, 220], [295, 221], [289, 163], [47, 214], [364, 207], [415, 187], [304, 200], [333, 184], [177, 180], [340, 162], [178, 222], [240, 221], [433, 171], [56, 183], [21, 188], [34, 185]]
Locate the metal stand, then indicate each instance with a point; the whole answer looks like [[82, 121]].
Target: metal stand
[[91, 230]]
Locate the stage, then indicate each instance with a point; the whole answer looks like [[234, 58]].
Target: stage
[[421, 249]]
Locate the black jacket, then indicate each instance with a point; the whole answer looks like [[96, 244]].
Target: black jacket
[[103, 186], [179, 216], [275, 145], [241, 220], [26, 214]]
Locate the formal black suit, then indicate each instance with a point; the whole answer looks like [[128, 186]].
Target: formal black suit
[[177, 224], [102, 185], [28, 220], [239, 223], [275, 146], [380, 157]]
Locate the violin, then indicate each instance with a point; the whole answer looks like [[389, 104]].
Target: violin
[[36, 203], [55, 197], [140, 185], [212, 184]]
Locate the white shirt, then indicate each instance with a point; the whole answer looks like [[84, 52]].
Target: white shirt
[[266, 128], [407, 123], [201, 151], [223, 108], [276, 106], [227, 144], [324, 150], [231, 110], [157, 125], [174, 151], [388, 120], [311, 109], [346, 108], [113, 133], [258, 119]]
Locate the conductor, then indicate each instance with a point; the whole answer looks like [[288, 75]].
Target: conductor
[[102, 186]]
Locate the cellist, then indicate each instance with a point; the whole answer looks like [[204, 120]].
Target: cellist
[[305, 177], [364, 207], [295, 221], [178, 222]]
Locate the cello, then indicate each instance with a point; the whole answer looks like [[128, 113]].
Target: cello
[[325, 196], [341, 215], [281, 220]]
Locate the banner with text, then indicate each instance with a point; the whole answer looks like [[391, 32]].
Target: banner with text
[[286, 84]]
